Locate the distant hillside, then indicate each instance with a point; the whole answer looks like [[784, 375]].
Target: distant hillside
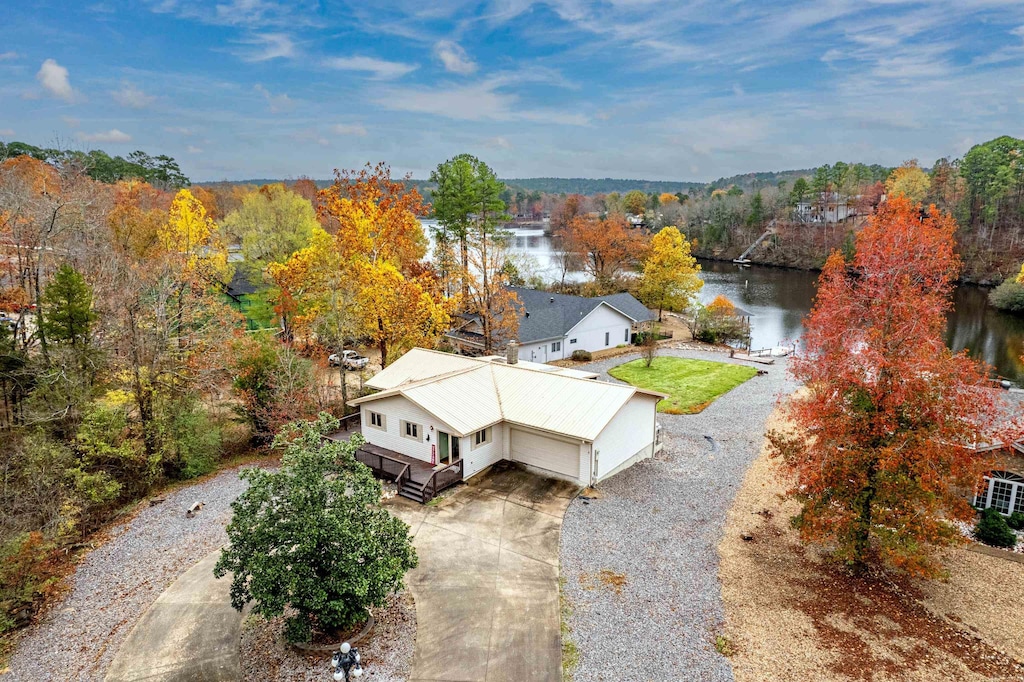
[[753, 181], [590, 186]]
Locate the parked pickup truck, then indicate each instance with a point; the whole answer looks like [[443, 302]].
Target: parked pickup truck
[[349, 359]]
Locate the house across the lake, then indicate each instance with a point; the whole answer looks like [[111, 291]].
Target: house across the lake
[[552, 326], [454, 416]]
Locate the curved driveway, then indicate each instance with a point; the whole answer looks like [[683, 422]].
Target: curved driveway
[[486, 589], [191, 632]]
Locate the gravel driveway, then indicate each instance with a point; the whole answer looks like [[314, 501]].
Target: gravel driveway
[[115, 583], [658, 524]]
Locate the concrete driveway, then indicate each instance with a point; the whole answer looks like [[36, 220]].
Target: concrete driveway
[[486, 589], [191, 632]]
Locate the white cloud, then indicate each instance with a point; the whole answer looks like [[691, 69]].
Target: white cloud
[[267, 46], [70, 121], [348, 129], [54, 79], [454, 58], [379, 68], [499, 142], [5, 56], [276, 103], [192, 149], [180, 130], [6, 132], [478, 102], [112, 136], [132, 97]]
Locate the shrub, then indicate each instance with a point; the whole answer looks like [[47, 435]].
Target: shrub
[[273, 383], [313, 537], [582, 355], [992, 530], [1016, 521], [190, 440], [35, 483], [719, 327], [29, 572], [1008, 296]]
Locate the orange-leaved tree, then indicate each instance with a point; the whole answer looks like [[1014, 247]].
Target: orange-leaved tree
[[721, 305], [880, 448], [605, 247]]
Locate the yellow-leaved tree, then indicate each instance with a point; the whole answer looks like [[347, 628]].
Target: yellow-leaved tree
[[670, 280], [366, 279], [910, 181], [190, 236]]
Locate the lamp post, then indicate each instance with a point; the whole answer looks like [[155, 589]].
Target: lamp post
[[345, 660]]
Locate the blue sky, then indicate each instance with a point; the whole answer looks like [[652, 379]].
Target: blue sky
[[623, 88]]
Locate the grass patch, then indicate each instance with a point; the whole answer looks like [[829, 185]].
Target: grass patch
[[691, 385], [724, 646], [570, 652]]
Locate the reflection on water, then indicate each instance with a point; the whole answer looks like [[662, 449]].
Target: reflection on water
[[779, 299]]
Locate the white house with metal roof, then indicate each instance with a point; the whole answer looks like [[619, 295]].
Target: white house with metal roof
[[449, 410], [552, 326]]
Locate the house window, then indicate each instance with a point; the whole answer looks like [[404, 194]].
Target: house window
[[377, 421], [627, 335], [572, 341], [1002, 491], [481, 437], [556, 346], [607, 338], [410, 430]]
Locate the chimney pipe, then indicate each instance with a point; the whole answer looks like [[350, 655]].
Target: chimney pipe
[[512, 353]]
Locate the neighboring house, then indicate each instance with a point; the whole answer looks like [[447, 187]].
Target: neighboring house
[[832, 209], [468, 413], [552, 326], [1003, 487]]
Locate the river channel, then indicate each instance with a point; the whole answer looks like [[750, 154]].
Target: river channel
[[780, 298]]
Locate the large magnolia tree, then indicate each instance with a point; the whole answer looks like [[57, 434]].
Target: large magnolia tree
[[312, 536], [880, 451]]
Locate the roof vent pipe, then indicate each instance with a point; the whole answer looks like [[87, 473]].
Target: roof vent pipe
[[552, 299], [512, 353]]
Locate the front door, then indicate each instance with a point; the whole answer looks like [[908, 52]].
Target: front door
[[447, 448]]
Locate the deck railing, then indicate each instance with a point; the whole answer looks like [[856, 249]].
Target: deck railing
[[382, 465], [442, 479], [351, 421]]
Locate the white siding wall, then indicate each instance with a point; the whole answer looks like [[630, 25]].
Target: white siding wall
[[395, 410], [541, 352], [585, 458], [589, 332], [629, 432], [485, 455]]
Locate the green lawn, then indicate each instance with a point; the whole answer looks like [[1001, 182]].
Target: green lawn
[[691, 385]]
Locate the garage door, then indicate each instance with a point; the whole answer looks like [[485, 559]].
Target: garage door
[[546, 453]]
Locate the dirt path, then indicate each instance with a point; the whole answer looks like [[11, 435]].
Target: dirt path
[[791, 616]]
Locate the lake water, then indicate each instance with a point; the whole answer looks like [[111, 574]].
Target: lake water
[[779, 299]]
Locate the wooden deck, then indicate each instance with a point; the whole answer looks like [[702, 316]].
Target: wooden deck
[[377, 458], [416, 479], [350, 426]]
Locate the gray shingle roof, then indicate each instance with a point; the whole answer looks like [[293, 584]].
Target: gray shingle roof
[[549, 316]]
